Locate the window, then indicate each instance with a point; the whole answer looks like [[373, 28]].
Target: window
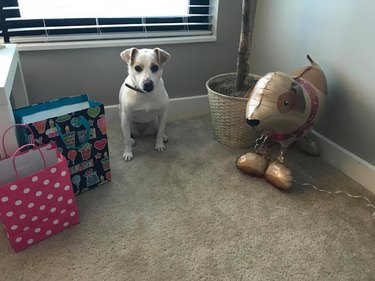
[[94, 8], [25, 21]]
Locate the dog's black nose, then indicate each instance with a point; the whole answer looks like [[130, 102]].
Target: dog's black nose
[[253, 122], [148, 86]]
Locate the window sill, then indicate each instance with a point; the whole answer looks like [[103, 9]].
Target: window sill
[[113, 43]]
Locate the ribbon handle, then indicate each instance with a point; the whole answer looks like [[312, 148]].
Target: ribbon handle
[[7, 130], [85, 123], [22, 147]]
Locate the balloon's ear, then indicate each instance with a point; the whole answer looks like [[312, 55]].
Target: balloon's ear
[[300, 103]]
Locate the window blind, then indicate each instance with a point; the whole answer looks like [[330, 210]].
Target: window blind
[[15, 29]]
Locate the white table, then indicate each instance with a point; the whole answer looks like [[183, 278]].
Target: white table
[[12, 93]]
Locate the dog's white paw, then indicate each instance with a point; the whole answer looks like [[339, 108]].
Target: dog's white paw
[[160, 146], [127, 156], [165, 138]]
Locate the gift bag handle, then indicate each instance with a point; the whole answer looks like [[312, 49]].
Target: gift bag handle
[[22, 147], [85, 123], [7, 130]]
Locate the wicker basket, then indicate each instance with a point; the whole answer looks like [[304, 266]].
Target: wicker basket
[[228, 117]]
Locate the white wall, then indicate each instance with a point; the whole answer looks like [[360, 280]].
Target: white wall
[[339, 35]]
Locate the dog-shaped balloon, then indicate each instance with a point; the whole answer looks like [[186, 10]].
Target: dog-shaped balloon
[[284, 109]]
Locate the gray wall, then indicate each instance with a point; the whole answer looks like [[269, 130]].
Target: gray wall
[[100, 71], [339, 35]]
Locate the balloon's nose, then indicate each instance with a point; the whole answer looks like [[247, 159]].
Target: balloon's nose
[[253, 122]]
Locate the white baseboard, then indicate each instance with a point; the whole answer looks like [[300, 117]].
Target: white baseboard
[[348, 163], [351, 165], [112, 113], [177, 107]]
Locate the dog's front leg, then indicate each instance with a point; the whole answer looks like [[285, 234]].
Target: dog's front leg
[[128, 142], [161, 137]]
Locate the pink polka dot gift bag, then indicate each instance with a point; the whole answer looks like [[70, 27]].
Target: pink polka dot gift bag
[[36, 195]]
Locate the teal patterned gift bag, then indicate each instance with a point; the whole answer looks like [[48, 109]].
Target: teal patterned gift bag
[[77, 126]]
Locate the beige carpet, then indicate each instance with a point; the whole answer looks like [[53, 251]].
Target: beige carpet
[[189, 214]]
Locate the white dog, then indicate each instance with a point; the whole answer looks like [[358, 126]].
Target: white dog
[[143, 98]]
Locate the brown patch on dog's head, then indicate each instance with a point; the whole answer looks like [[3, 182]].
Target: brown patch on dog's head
[[128, 55]]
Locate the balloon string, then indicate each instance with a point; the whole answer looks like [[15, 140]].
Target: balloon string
[[369, 204]]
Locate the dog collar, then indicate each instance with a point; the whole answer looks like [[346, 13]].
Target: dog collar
[[134, 88]]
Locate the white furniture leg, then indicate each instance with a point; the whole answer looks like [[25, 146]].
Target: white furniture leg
[[12, 93]]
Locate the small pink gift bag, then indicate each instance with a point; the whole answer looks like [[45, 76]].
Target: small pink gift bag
[[36, 195]]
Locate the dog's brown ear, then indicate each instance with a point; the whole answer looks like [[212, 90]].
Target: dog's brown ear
[[162, 55], [128, 55]]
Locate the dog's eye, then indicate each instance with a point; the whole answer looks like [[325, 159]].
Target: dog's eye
[[138, 68], [154, 68]]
